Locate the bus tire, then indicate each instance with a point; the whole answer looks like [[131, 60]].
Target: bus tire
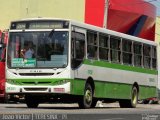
[[6, 99], [132, 103], [86, 100], [94, 102], [31, 101]]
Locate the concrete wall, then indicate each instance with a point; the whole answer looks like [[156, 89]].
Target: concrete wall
[[17, 9]]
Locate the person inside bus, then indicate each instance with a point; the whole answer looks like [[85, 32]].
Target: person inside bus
[[28, 51]]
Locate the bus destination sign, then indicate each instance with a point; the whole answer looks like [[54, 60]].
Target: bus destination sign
[[46, 25], [39, 25]]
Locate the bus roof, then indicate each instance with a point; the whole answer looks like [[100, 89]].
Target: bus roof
[[111, 32], [94, 28], [40, 19]]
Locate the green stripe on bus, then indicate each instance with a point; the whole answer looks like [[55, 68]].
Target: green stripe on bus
[[37, 81], [112, 90], [119, 66], [102, 89]]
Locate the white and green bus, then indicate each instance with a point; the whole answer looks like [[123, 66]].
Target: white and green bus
[[73, 62]]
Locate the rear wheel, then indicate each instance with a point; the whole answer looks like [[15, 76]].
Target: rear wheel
[[87, 100], [31, 101], [132, 102]]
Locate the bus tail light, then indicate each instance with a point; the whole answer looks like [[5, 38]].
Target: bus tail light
[[59, 90]]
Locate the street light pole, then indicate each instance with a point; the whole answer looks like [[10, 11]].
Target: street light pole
[[106, 6]]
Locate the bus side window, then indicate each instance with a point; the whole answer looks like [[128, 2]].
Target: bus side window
[[115, 47], [103, 47], [127, 51], [147, 56], [137, 54], [154, 57], [78, 48], [92, 47]]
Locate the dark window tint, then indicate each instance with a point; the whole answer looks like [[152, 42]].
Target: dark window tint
[[92, 44], [115, 49], [137, 48], [127, 51], [147, 56], [103, 47]]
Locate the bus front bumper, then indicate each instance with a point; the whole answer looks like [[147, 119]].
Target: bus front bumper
[[16, 89]]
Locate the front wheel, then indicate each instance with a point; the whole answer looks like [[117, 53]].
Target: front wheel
[[94, 102], [86, 101], [132, 103], [31, 101]]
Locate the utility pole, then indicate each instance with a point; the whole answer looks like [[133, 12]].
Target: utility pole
[[106, 6]]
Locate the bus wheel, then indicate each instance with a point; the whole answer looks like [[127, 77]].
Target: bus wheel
[[6, 98], [94, 102], [31, 101], [86, 101], [132, 102]]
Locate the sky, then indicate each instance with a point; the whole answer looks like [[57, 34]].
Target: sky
[[157, 4]]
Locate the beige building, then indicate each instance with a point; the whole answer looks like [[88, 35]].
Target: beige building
[[158, 43], [157, 29], [17, 9]]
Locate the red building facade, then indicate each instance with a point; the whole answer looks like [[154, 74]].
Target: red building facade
[[133, 17]]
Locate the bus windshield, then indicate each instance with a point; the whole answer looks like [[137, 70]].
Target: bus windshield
[[38, 49]]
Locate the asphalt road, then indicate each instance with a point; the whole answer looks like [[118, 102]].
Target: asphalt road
[[72, 112]]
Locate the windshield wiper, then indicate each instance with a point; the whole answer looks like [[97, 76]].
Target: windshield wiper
[[51, 34]]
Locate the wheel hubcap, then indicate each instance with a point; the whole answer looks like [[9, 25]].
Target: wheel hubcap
[[88, 96], [134, 97]]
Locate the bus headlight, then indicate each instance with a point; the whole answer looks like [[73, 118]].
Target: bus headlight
[[11, 81]]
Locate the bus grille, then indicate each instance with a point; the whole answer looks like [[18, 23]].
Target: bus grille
[[36, 74], [36, 83], [35, 89]]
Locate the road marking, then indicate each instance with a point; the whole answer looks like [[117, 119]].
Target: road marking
[[113, 119]]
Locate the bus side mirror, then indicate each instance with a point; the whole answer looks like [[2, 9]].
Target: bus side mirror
[[3, 55], [3, 60]]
